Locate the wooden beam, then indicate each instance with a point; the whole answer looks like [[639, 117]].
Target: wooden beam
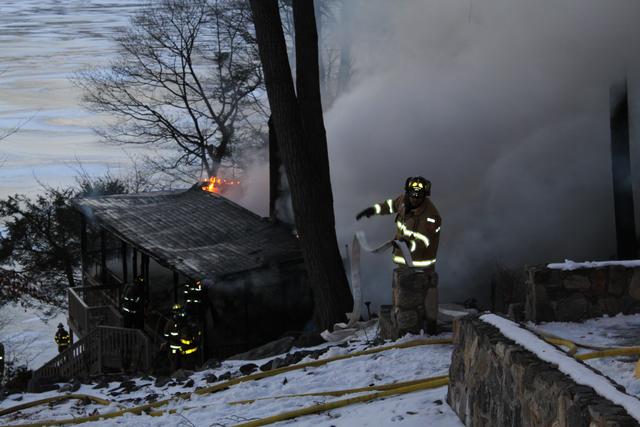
[[103, 256], [134, 264], [83, 243], [124, 262]]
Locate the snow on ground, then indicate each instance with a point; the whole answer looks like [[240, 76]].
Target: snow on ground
[[617, 331], [568, 365], [571, 265], [27, 333], [415, 409], [427, 407]]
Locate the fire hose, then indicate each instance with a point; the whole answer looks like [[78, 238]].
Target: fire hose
[[226, 384], [393, 389]]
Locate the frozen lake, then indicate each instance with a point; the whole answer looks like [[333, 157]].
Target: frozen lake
[[43, 43]]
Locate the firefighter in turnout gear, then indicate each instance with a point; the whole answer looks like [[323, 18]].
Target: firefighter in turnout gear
[[62, 338], [193, 297], [132, 304], [183, 339], [417, 222]]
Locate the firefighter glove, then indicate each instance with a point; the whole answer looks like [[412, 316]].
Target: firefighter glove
[[367, 212]]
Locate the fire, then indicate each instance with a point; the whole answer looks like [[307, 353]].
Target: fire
[[217, 185]]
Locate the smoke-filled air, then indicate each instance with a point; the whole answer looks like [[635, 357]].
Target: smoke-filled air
[[504, 106]]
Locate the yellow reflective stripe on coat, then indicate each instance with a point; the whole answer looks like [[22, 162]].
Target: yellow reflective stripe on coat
[[426, 263], [413, 234], [191, 350], [378, 208], [390, 204]]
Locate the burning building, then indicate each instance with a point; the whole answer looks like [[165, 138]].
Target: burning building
[[253, 274]]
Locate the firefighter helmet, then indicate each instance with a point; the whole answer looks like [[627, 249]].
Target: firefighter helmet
[[60, 326], [417, 186]]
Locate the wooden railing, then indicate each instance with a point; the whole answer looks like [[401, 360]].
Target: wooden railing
[[104, 349], [89, 307]]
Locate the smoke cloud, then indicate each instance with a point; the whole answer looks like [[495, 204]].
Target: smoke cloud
[[504, 106]]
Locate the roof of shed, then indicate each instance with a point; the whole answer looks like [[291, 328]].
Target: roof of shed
[[196, 232]]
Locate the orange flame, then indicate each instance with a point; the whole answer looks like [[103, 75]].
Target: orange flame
[[217, 185]]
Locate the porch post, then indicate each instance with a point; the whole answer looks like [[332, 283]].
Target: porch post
[[134, 263], [103, 256], [83, 243]]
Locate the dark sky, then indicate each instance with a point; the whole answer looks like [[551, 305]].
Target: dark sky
[[503, 105]]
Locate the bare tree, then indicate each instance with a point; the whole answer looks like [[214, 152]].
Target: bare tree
[[188, 77], [299, 126]]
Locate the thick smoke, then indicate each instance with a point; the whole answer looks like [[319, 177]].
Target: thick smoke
[[504, 106]]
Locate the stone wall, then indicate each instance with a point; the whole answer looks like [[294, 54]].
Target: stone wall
[[574, 295], [496, 382]]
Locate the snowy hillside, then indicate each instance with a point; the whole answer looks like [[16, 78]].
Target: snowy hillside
[[27, 332], [217, 408]]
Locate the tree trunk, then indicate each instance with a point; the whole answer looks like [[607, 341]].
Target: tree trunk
[[302, 142], [274, 171]]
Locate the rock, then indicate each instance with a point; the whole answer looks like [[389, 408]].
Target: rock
[[388, 329], [162, 381], [212, 363], [619, 278], [150, 398], [70, 387], [225, 377], [181, 375], [576, 282], [267, 366], [573, 308], [273, 348], [609, 305], [210, 378], [101, 384], [248, 368], [308, 340], [128, 386], [634, 286], [277, 362], [598, 278], [189, 383]]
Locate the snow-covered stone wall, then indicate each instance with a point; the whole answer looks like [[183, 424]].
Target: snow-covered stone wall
[[573, 292], [493, 381]]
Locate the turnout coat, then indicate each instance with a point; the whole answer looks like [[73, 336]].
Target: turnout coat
[[419, 227]]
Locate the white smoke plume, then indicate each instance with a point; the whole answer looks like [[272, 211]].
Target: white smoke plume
[[504, 106]]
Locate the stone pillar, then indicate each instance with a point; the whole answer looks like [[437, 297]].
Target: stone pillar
[[415, 303]]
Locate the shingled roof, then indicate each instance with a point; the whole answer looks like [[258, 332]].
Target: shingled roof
[[198, 233]]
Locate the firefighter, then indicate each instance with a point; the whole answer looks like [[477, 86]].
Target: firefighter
[[417, 222], [193, 297], [190, 337], [62, 338], [132, 304]]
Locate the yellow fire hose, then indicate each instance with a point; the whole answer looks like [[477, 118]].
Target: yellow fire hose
[[53, 399], [207, 390], [430, 383], [384, 390], [571, 346], [382, 387], [435, 380]]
